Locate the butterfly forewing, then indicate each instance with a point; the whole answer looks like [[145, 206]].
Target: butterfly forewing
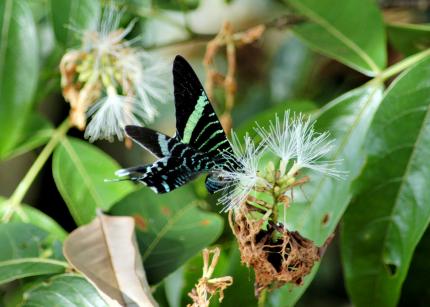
[[196, 121]]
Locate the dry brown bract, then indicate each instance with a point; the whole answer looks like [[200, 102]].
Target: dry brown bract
[[207, 286], [276, 259]]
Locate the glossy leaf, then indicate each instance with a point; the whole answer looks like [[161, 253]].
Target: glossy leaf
[[170, 228], [63, 290], [18, 70], [318, 208], [106, 252], [80, 170], [71, 17], [409, 38], [338, 30], [35, 217], [19, 240], [390, 213], [11, 270], [36, 132]]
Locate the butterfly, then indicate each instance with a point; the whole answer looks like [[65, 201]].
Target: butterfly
[[199, 145]]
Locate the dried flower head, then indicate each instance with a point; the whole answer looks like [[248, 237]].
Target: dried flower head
[[111, 80]]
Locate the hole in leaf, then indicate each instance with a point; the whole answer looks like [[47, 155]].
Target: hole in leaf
[[391, 268]]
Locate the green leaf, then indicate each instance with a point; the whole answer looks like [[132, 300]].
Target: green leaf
[[318, 208], [409, 38], [170, 228], [19, 240], [79, 170], [18, 70], [11, 270], [28, 214], [182, 5], [337, 29], [63, 290], [69, 17], [36, 132], [390, 214]]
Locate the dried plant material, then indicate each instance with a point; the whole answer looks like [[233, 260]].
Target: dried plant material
[[207, 286], [278, 256], [106, 253], [230, 40]]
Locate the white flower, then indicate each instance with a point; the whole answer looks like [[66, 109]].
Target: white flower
[[110, 114], [296, 142], [131, 79], [239, 182]]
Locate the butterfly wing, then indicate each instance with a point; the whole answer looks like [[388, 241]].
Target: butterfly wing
[[196, 121]]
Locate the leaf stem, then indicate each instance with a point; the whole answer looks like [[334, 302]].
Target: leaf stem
[[262, 298], [402, 65], [16, 198]]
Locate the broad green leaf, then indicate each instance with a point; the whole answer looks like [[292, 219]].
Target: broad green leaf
[[63, 290], [19, 240], [409, 38], [182, 5], [80, 170], [19, 268], [170, 228], [18, 70], [36, 132], [35, 217], [71, 17], [317, 209], [391, 211], [350, 31]]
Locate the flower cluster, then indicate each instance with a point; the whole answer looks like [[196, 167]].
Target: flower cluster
[[296, 145], [111, 80]]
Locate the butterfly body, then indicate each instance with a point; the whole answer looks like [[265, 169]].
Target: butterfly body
[[199, 145]]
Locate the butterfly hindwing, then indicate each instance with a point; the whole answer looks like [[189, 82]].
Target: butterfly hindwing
[[196, 121]]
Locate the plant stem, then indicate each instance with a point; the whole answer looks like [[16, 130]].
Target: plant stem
[[262, 298], [403, 64], [16, 198]]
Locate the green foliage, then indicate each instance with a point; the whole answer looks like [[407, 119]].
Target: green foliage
[[382, 141], [166, 228], [338, 33], [64, 290], [390, 214], [80, 170], [18, 70]]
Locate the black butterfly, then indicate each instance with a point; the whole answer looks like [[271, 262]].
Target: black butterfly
[[199, 145]]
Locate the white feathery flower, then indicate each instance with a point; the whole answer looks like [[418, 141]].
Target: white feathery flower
[[240, 181], [130, 79], [110, 114], [296, 141]]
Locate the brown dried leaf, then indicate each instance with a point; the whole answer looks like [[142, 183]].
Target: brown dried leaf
[[105, 252]]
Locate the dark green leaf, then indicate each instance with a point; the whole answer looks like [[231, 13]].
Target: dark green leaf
[[18, 70], [71, 16], [79, 170], [170, 228], [409, 38], [318, 208], [338, 30], [181, 5], [63, 290], [19, 268], [390, 214], [36, 132], [35, 217], [19, 240]]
